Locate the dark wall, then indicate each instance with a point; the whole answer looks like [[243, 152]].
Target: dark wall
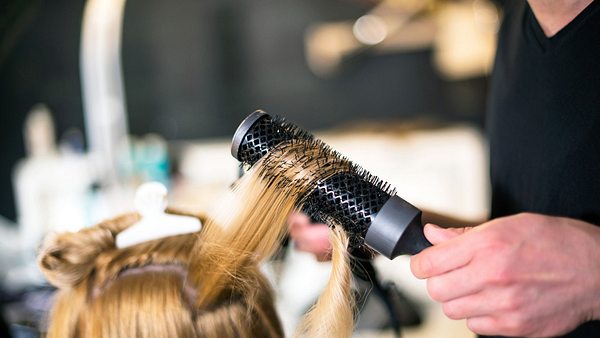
[[194, 69], [225, 58], [39, 62], [199, 67]]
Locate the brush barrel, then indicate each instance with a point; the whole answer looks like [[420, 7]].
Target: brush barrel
[[358, 202], [348, 200], [387, 224]]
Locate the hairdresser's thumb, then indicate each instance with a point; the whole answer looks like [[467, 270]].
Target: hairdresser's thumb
[[436, 234]]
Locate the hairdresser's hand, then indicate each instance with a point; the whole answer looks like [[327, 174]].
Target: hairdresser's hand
[[310, 237], [523, 275]]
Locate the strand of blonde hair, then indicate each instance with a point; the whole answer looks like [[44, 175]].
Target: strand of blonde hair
[[256, 210], [333, 313]]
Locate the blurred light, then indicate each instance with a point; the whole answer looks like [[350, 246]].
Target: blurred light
[[486, 15], [327, 44], [370, 29]]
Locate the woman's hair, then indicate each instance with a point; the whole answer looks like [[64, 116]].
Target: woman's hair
[[206, 284], [150, 289]]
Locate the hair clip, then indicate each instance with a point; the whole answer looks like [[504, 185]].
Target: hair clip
[[151, 201]]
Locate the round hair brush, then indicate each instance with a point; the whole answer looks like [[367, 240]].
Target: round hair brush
[[333, 190]]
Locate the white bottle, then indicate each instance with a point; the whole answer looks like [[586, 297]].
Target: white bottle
[[50, 188]]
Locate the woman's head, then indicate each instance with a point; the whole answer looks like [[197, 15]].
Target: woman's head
[[151, 289]]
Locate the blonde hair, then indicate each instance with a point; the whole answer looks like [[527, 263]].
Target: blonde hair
[[148, 290], [208, 284]]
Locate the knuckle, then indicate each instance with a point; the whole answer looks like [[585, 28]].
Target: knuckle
[[492, 244], [421, 266], [497, 271], [414, 262], [435, 290], [531, 220], [481, 325], [514, 325], [525, 216], [452, 311], [496, 241], [511, 303], [426, 265], [501, 277], [473, 325]]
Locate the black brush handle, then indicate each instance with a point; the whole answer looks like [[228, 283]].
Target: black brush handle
[[397, 230]]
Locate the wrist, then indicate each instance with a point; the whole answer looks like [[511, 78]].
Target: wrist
[[595, 256]]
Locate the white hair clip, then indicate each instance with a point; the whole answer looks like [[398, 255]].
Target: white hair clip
[[151, 202]]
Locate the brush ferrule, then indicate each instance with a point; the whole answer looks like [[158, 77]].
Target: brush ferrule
[[396, 229]]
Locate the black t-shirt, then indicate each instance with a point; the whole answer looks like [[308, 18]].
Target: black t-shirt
[[544, 121]]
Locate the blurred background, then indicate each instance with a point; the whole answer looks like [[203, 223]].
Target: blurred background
[[99, 96]]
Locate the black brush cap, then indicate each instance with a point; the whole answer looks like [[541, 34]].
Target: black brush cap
[[243, 129]]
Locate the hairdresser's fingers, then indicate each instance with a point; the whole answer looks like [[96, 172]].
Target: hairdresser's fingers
[[483, 325], [313, 239], [436, 234], [297, 221], [295, 229], [458, 283], [466, 307], [502, 302], [443, 257]]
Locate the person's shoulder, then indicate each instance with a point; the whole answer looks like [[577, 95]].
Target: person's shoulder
[[513, 13], [509, 6]]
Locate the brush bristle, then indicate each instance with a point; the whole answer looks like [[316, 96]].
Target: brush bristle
[[266, 133], [330, 188]]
